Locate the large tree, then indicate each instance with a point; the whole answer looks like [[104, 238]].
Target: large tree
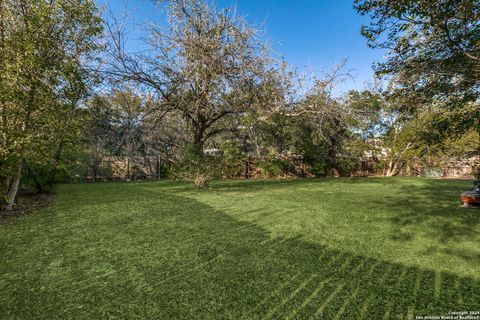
[[45, 47], [433, 46], [208, 66]]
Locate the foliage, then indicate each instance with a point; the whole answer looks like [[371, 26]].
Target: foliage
[[3, 198], [208, 67], [196, 167], [47, 48], [319, 169], [275, 166], [207, 80], [405, 138], [347, 165], [233, 159], [454, 123], [434, 46], [434, 70]]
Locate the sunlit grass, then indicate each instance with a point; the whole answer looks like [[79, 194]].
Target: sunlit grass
[[294, 249]]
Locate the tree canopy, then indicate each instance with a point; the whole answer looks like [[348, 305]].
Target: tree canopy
[[433, 46], [45, 48]]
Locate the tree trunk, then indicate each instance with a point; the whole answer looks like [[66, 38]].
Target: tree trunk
[[13, 188], [198, 144], [392, 168]]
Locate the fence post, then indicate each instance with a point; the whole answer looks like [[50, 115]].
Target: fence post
[[128, 169]]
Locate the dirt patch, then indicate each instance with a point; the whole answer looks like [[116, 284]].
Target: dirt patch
[[27, 203]]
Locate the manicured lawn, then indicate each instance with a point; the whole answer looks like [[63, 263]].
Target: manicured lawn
[[366, 248]]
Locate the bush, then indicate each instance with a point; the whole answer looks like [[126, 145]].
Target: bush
[[275, 167], [197, 167], [232, 160], [40, 176], [347, 165], [201, 182], [319, 169]]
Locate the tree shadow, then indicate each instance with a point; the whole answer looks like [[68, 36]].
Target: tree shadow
[[435, 205], [177, 258], [261, 184]]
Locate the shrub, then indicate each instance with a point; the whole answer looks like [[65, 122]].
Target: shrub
[[43, 176], [197, 167], [319, 169], [232, 160], [347, 165], [276, 167], [201, 182]]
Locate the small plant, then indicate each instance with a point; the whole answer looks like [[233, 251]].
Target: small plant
[[201, 182]]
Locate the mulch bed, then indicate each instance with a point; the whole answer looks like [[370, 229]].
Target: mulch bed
[[27, 203]]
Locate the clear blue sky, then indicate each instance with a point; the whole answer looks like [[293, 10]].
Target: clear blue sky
[[308, 33]]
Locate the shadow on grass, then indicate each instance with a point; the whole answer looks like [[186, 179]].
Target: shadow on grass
[[437, 204], [269, 184], [175, 258], [434, 204]]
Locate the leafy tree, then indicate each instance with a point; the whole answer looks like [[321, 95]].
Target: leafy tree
[[206, 67], [433, 63], [411, 139], [45, 48], [383, 126], [433, 46]]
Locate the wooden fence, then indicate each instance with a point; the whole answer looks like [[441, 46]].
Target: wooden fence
[[154, 168]]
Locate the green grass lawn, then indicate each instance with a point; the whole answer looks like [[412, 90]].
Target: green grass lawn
[[366, 248]]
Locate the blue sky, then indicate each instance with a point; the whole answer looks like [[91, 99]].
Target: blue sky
[[311, 34]]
